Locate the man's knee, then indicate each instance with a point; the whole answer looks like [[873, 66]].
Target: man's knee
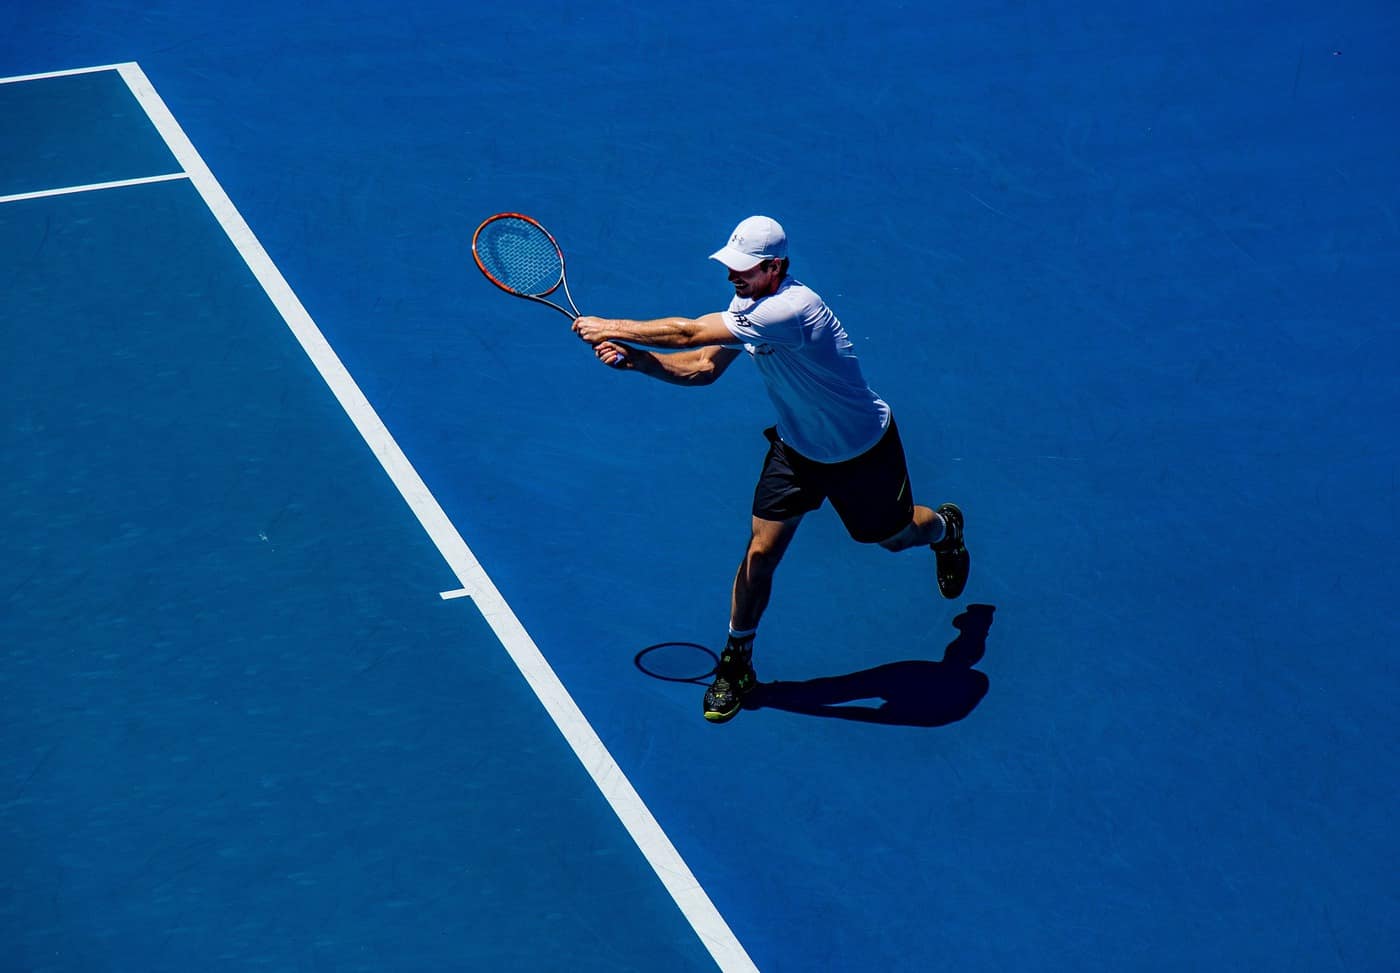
[[767, 544], [762, 556]]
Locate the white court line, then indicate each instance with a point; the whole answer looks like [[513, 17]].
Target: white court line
[[660, 853], [93, 187], [450, 595], [59, 74]]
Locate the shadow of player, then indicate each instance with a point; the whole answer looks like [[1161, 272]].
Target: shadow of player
[[914, 692]]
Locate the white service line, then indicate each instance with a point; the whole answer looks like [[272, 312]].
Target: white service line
[[93, 186], [660, 853]]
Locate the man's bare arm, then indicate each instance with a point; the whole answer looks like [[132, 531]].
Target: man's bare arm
[[696, 366], [671, 333]]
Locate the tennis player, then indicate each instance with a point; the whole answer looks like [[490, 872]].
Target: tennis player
[[834, 439]]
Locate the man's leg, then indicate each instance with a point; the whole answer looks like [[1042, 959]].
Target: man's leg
[[941, 530], [927, 528], [753, 584]]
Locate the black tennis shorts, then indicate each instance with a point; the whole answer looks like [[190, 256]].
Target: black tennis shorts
[[870, 492]]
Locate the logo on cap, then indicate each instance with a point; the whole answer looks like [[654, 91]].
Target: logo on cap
[[754, 239]]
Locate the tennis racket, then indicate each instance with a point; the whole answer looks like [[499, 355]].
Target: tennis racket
[[520, 257]]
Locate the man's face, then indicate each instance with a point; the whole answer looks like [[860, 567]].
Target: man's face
[[759, 281]]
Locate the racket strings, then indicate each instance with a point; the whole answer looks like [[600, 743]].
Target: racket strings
[[520, 256]]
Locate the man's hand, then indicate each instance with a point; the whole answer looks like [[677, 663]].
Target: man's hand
[[591, 330], [615, 355]]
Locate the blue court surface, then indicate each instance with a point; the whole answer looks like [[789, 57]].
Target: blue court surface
[[355, 618]]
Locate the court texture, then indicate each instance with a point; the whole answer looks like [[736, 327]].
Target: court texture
[[353, 617]]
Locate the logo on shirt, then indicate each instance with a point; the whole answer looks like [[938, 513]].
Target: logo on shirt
[[752, 347]]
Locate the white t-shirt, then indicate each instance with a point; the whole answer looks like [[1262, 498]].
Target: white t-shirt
[[826, 411]]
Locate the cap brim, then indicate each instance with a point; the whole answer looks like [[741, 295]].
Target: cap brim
[[736, 259]]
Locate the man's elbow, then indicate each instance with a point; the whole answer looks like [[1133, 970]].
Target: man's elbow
[[705, 372], [691, 334], [704, 375]]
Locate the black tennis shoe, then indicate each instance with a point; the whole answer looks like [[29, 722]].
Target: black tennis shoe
[[734, 678], [951, 553]]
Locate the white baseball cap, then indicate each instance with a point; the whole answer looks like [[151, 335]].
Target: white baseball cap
[[753, 241]]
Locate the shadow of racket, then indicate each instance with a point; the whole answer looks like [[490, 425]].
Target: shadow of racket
[[678, 662]]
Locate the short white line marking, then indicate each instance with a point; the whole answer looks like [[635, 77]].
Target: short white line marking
[[93, 186], [714, 933], [59, 74], [459, 593]]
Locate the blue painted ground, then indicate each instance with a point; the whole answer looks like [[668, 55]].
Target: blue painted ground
[[1128, 278], [242, 729]]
